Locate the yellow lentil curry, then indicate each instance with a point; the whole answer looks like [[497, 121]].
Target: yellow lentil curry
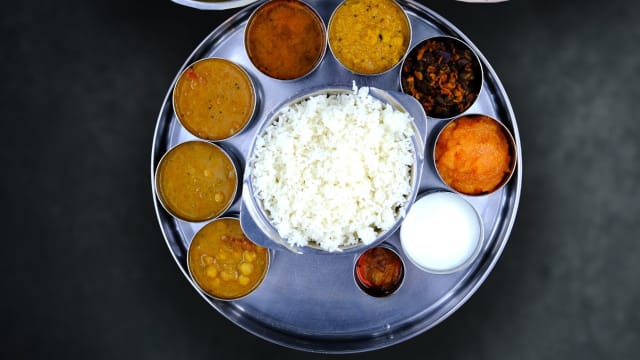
[[473, 155], [369, 36], [214, 99], [196, 181], [224, 262], [285, 39]]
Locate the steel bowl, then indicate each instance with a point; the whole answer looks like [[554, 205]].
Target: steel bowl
[[513, 153], [253, 217]]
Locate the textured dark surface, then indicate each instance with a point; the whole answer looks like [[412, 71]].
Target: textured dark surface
[[86, 273]]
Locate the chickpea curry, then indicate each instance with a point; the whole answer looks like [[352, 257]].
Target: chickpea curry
[[196, 181], [369, 36], [224, 262]]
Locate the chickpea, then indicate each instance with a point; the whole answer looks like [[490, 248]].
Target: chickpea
[[229, 275], [218, 197], [249, 256], [245, 268], [243, 280], [211, 271]]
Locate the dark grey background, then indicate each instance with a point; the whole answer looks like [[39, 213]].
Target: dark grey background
[[86, 273]]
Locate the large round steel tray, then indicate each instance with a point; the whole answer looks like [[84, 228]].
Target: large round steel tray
[[311, 302]]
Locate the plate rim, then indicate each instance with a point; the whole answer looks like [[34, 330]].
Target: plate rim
[[307, 342]]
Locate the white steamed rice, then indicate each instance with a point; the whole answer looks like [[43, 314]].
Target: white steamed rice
[[334, 170]]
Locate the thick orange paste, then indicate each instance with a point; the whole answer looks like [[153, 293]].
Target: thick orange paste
[[473, 155]]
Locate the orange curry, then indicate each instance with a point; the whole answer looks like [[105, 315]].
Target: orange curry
[[214, 99]]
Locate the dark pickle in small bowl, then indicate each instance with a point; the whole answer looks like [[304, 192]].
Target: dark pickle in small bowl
[[443, 74]]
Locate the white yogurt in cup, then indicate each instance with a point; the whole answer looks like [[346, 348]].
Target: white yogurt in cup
[[442, 233]]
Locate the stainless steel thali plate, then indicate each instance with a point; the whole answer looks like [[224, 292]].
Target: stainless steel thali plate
[[311, 302]]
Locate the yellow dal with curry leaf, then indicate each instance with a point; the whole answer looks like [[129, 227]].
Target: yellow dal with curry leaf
[[369, 36]]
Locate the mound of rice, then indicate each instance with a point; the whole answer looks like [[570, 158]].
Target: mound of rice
[[334, 170]]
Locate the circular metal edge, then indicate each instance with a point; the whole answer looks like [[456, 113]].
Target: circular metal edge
[[302, 342], [214, 5]]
